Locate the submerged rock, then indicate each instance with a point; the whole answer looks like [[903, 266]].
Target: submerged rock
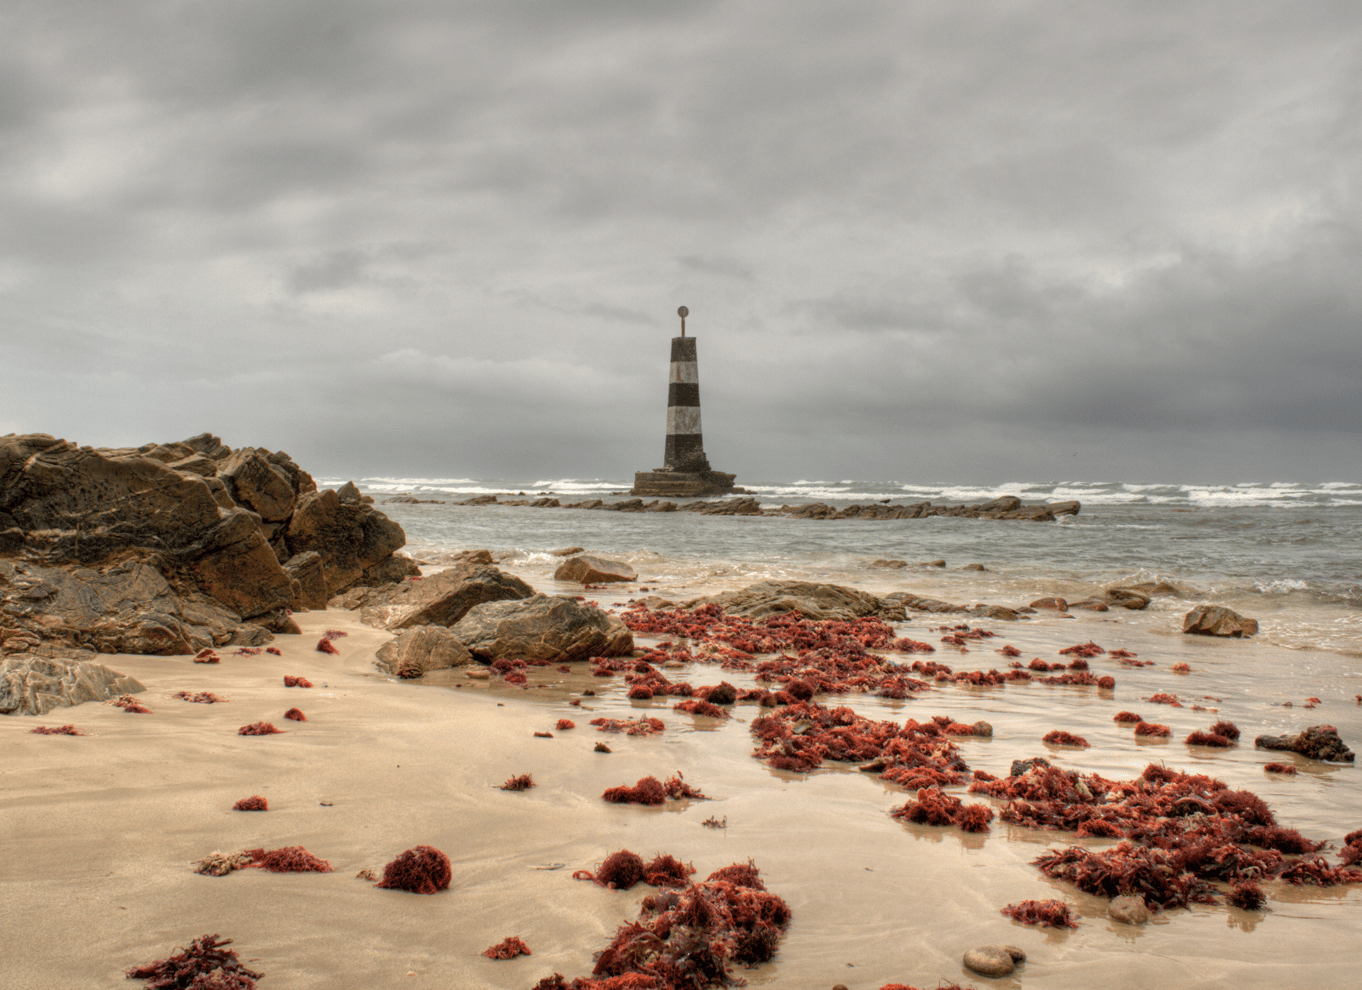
[[994, 960], [1129, 909], [589, 569], [1319, 742], [1217, 620]]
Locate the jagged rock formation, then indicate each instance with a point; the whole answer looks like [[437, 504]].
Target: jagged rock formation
[[441, 599], [166, 548]]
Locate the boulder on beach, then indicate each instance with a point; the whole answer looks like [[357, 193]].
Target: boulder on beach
[[542, 627], [310, 590], [31, 685], [590, 569], [812, 601], [441, 599], [162, 542], [421, 649], [1319, 742], [994, 960], [1217, 620]]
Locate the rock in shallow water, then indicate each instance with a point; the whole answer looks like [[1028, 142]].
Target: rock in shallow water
[[1129, 909], [1217, 620], [994, 960], [1319, 742]]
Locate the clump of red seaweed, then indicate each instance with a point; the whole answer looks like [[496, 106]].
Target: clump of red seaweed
[[1083, 650], [294, 715], [422, 870], [1153, 729], [130, 705], [290, 859], [1126, 717], [207, 655], [200, 697], [274, 650], [648, 791], [206, 965], [1058, 737], [253, 803], [299, 682], [1050, 914], [564, 724], [324, 645], [688, 937], [1282, 768], [507, 948], [697, 707], [934, 806], [618, 871], [1211, 738], [258, 729], [1246, 895], [56, 730], [521, 783], [1164, 699]]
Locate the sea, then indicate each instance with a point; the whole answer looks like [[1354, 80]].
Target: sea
[[1287, 554]]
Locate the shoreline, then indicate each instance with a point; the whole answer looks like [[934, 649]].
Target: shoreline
[[100, 832]]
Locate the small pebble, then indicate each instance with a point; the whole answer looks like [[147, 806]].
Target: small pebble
[[990, 960], [1129, 908]]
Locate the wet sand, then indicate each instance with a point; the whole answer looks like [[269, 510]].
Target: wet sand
[[99, 834]]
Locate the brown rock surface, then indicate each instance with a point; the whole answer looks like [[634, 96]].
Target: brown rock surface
[[813, 601], [306, 570], [1319, 742], [590, 569], [542, 628], [350, 536], [990, 960], [441, 599], [420, 649], [1217, 620]]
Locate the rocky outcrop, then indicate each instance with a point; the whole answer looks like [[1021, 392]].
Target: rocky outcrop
[[310, 590], [812, 601], [1217, 620], [1319, 742], [421, 649], [212, 523], [542, 628], [589, 569], [440, 600], [31, 685]]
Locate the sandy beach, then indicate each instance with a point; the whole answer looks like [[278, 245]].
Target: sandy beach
[[99, 834]]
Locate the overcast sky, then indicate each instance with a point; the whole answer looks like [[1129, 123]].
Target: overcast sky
[[925, 241]]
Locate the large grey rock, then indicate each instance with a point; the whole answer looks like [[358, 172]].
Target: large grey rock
[[31, 685], [420, 649], [1217, 620], [441, 599], [542, 628], [813, 601], [589, 569]]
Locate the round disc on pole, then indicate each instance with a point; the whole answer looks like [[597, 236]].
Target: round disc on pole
[[683, 312]]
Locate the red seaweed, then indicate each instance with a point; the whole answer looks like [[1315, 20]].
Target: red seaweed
[[564, 724], [645, 726], [1153, 729], [1058, 737], [206, 964], [56, 730], [258, 729], [274, 650], [1227, 729], [422, 870], [298, 682], [290, 859], [648, 791], [507, 948], [1279, 768], [935, 807], [1246, 895], [694, 706], [130, 705], [1126, 717], [618, 871], [1050, 914], [253, 803], [521, 783], [1209, 739], [324, 646], [1083, 650], [294, 715], [1164, 699]]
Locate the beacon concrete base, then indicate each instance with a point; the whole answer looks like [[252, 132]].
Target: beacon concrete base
[[682, 484]]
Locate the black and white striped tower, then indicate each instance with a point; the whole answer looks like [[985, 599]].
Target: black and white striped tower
[[685, 471]]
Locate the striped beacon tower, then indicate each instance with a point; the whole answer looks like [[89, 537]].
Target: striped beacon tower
[[685, 470]]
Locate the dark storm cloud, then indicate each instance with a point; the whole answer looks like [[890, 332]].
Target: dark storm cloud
[[1020, 239]]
